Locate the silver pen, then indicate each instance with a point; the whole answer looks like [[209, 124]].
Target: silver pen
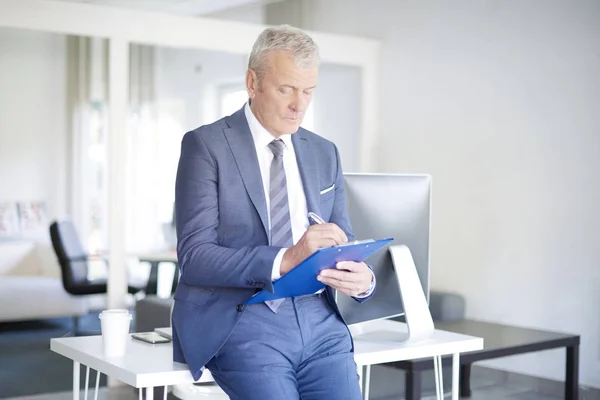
[[316, 219]]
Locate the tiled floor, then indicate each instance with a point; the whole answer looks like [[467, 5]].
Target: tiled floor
[[493, 392], [124, 393], [482, 384]]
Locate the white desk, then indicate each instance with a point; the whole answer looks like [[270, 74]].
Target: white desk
[[149, 366], [144, 365], [378, 342]]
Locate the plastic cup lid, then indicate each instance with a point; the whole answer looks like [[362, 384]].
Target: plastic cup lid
[[115, 313]]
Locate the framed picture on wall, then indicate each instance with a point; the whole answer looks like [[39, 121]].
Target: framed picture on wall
[[32, 217], [9, 220]]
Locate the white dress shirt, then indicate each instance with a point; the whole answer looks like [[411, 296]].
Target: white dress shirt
[[295, 190]]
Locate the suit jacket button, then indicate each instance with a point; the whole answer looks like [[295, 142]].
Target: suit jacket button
[[240, 308]]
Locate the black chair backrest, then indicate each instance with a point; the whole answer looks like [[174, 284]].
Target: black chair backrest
[[70, 253]]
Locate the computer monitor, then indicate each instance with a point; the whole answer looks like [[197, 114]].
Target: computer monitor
[[382, 206]]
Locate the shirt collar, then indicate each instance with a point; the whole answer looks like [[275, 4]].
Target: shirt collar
[[263, 137]]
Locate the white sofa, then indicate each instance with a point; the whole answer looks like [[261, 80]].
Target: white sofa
[[30, 283]]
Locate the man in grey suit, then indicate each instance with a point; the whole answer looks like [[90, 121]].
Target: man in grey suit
[[245, 185]]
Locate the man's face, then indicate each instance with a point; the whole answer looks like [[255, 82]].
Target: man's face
[[280, 98]]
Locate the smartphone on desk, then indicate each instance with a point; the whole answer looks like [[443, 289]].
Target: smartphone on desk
[[150, 337]]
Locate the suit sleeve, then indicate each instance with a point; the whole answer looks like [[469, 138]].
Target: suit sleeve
[[339, 215], [202, 261]]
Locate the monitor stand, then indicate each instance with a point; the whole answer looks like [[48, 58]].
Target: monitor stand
[[416, 310], [419, 324]]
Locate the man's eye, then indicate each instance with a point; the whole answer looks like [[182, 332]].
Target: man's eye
[[284, 90]]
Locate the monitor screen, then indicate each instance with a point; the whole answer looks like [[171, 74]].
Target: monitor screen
[[381, 206]]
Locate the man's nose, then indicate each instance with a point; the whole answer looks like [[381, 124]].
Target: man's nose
[[299, 103]]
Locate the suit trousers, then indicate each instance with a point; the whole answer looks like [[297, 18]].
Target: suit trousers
[[304, 351]]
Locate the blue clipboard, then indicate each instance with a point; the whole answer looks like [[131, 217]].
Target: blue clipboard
[[303, 279]]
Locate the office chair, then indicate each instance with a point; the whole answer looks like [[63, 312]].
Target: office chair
[[73, 260]]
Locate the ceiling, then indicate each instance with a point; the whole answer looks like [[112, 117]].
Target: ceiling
[[181, 7]]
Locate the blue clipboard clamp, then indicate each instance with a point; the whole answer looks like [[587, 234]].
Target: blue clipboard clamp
[[303, 279]]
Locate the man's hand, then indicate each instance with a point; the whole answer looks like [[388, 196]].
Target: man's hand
[[349, 277], [316, 237]]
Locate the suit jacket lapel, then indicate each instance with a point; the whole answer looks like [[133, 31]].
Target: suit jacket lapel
[[309, 171], [240, 141]]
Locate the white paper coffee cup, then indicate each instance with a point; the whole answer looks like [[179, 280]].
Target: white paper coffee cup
[[115, 332]]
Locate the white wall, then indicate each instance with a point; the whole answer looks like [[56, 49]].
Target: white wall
[[253, 13], [188, 77], [337, 111], [34, 142], [499, 101]]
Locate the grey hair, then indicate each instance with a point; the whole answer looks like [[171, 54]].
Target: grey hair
[[303, 49]]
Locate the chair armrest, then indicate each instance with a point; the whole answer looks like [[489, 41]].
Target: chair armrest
[[446, 306], [87, 257]]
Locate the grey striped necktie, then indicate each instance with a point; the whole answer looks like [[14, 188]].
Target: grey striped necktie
[[281, 225]]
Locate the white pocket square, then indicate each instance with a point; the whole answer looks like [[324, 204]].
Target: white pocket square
[[329, 189]]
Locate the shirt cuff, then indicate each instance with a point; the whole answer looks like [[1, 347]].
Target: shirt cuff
[[370, 290], [276, 273]]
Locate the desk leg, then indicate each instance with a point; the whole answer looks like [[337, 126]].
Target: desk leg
[[359, 372], [465, 380], [412, 385], [367, 382], [150, 393], [572, 378], [439, 377], [455, 375], [97, 385], [87, 382], [152, 285], [76, 366]]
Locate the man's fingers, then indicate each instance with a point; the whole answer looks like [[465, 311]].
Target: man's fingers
[[350, 282], [350, 266], [347, 287], [340, 275], [331, 231], [341, 234], [340, 285], [321, 243]]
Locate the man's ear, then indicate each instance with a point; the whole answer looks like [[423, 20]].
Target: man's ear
[[251, 83]]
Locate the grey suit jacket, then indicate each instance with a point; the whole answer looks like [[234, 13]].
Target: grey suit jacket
[[222, 228]]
